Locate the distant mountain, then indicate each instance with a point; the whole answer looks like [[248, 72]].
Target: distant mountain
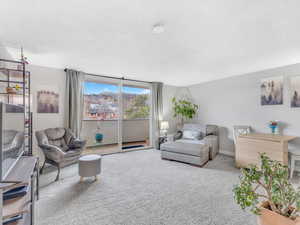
[[108, 97]]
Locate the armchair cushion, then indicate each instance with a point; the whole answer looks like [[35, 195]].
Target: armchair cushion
[[76, 144], [56, 137], [185, 147], [55, 133], [53, 152]]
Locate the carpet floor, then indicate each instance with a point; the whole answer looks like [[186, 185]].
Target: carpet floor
[[138, 188]]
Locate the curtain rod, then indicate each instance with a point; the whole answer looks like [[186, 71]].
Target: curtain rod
[[111, 77]]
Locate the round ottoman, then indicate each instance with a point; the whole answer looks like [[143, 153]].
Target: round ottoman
[[89, 166]]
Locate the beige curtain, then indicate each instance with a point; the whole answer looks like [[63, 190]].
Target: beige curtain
[[74, 100], [157, 106]]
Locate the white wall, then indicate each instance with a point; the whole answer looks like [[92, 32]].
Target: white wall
[[49, 79], [4, 54], [168, 93], [236, 101], [54, 79]]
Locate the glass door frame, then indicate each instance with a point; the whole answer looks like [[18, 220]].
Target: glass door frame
[[120, 83], [138, 84]]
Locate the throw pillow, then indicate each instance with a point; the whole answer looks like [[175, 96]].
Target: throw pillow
[[191, 134]]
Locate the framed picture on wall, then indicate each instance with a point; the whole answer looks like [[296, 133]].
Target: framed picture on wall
[[47, 101], [272, 91], [295, 91]]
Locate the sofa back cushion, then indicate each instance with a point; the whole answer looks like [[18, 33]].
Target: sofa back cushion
[[193, 126], [56, 137], [193, 131], [191, 134]]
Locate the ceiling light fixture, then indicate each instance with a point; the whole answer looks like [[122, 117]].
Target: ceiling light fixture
[[158, 28]]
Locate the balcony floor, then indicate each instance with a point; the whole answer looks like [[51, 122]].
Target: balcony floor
[[112, 148]]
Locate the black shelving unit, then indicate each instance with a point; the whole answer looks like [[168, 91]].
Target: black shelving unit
[[14, 73]]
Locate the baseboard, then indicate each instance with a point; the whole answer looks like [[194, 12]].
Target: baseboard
[[227, 152]]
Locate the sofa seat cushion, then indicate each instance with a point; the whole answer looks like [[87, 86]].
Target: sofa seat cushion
[[199, 142], [60, 143], [185, 147]]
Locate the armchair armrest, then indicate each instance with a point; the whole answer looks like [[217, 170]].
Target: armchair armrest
[[174, 137], [213, 142], [77, 144], [170, 137], [53, 152]]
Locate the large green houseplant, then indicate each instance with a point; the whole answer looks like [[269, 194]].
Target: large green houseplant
[[184, 109], [268, 193]]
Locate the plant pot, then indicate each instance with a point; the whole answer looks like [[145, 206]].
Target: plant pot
[[99, 137], [268, 217]]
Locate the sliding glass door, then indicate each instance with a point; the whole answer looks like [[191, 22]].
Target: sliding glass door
[[101, 114], [136, 111], [116, 115]]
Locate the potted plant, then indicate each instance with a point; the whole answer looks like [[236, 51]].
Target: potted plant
[[184, 109], [268, 193], [98, 135], [273, 125]]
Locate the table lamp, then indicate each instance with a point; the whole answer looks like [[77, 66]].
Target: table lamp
[[164, 126]]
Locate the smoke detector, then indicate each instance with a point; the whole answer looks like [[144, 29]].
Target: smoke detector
[[158, 28]]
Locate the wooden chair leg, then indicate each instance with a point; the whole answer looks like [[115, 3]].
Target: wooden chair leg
[[58, 173], [43, 166]]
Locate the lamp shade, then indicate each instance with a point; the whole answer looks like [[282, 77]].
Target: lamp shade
[[164, 125]]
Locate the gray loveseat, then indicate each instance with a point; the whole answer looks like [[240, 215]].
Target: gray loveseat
[[194, 144], [59, 146]]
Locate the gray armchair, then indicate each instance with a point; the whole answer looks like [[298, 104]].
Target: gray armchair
[[210, 136], [59, 146], [194, 144]]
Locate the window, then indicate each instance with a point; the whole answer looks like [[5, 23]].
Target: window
[[101, 102], [136, 103]]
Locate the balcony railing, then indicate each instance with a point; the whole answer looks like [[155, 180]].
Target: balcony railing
[[133, 131]]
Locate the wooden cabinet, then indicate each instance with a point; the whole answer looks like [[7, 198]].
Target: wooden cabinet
[[249, 146]]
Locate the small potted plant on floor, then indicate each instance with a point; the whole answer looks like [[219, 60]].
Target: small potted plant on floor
[[268, 193]]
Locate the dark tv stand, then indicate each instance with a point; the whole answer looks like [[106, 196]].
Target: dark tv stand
[[26, 170]]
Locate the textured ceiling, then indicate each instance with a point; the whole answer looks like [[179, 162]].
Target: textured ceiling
[[203, 39]]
